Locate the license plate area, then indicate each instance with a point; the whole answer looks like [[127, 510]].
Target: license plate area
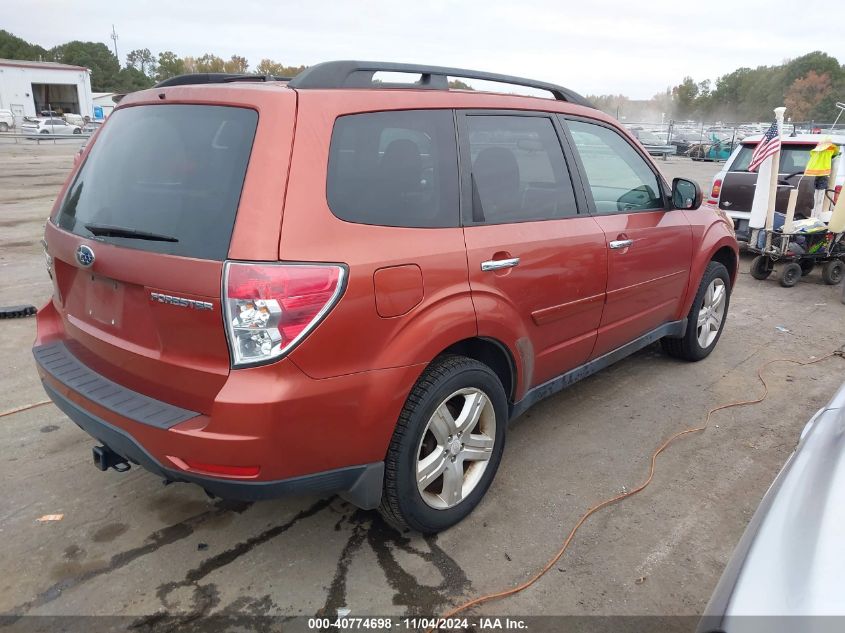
[[104, 301]]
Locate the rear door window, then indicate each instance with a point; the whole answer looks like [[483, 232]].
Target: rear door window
[[395, 168], [164, 178], [518, 170]]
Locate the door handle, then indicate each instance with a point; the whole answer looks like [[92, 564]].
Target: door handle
[[499, 264], [615, 244]]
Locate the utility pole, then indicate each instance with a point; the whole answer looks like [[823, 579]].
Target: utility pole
[[114, 38]]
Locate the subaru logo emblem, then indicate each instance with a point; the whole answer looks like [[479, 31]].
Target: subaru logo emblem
[[84, 255]]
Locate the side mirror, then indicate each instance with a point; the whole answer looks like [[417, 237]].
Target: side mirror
[[686, 194]]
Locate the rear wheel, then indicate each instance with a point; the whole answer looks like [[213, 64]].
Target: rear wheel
[[761, 267], [832, 272], [706, 318], [790, 274], [446, 447], [4, 127]]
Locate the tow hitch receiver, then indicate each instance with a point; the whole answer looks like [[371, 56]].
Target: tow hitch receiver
[[105, 458]]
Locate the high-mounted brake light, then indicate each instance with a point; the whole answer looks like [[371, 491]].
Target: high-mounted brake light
[[270, 308]]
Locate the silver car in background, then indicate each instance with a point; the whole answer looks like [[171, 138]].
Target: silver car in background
[[788, 571]]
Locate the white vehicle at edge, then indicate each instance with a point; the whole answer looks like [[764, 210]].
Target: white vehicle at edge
[[7, 120], [733, 187]]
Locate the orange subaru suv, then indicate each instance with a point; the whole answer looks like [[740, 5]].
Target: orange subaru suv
[[345, 284]]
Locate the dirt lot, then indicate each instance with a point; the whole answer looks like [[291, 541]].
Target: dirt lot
[[129, 546]]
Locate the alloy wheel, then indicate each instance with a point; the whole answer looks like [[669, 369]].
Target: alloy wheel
[[455, 448], [711, 313]]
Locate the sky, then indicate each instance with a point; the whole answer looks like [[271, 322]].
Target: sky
[[593, 46]]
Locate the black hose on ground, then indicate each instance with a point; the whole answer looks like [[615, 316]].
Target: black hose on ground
[[16, 312]]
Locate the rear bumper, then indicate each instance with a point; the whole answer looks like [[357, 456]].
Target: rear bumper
[[360, 485], [304, 435], [743, 232], [741, 219]]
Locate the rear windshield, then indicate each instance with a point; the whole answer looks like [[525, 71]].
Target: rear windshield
[[793, 158], [164, 178]]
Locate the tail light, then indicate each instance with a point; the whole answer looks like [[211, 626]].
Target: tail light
[[717, 189], [270, 308], [836, 191]]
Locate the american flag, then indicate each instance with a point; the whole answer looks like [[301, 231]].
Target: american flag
[[768, 146]]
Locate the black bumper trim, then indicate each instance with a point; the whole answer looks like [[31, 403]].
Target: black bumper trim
[[57, 360], [360, 485]]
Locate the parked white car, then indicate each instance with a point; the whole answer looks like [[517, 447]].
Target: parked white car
[[7, 120], [45, 125]]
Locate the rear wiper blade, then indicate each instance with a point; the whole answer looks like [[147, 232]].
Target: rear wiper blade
[[105, 230]]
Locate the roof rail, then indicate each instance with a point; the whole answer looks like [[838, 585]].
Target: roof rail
[[214, 78], [358, 74]]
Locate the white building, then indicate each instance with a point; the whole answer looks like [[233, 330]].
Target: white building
[[27, 88]]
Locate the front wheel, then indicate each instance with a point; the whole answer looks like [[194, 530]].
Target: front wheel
[[706, 318], [446, 447], [761, 267]]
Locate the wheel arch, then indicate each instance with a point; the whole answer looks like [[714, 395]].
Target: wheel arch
[[723, 250], [492, 353], [728, 258]]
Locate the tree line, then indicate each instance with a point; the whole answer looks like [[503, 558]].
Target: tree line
[[809, 86], [142, 68]]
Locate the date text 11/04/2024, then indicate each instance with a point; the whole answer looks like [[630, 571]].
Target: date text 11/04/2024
[[416, 624]]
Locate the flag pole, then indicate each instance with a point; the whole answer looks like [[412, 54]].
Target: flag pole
[[773, 182]]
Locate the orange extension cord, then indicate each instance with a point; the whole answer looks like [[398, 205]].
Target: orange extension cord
[[25, 408], [611, 500]]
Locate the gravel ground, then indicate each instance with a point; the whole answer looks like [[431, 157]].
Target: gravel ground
[[128, 546]]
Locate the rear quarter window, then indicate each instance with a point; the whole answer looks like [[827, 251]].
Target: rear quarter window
[[172, 171], [395, 168], [793, 158]]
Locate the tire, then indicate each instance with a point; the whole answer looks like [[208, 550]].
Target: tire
[[696, 344], [832, 272], [4, 127], [807, 266], [77, 131], [761, 267], [422, 433], [790, 275], [44, 132]]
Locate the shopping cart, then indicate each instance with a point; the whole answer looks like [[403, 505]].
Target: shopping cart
[[798, 254]]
